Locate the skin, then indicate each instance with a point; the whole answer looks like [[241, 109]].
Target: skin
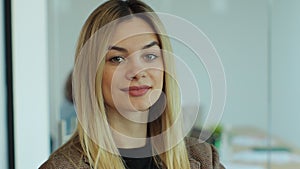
[[132, 80]]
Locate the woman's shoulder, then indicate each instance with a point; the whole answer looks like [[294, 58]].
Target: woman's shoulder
[[70, 155], [204, 153]]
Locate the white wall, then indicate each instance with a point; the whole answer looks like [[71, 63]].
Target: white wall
[[238, 29], [285, 70], [3, 134], [31, 91]]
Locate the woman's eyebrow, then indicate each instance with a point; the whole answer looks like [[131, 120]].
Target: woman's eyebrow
[[125, 50], [118, 49], [151, 44]]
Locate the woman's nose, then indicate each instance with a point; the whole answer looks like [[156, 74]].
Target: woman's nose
[[135, 69]]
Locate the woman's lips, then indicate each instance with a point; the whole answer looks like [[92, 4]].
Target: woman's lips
[[137, 90]]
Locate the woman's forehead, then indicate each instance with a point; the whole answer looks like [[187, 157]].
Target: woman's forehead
[[130, 28]]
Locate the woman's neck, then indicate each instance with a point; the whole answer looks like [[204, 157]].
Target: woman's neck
[[129, 129]]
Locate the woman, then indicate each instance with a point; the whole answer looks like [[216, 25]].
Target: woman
[[126, 96]]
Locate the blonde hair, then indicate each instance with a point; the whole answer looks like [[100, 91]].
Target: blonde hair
[[93, 128]]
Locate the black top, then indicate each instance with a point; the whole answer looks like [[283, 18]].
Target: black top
[[140, 163], [139, 158]]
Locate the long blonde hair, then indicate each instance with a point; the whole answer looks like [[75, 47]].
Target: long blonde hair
[[93, 128]]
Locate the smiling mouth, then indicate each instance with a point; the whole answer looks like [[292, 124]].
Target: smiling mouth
[[137, 90]]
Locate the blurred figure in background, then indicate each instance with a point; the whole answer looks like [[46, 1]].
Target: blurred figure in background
[[67, 111]]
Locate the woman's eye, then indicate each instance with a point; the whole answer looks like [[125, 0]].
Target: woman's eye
[[117, 59], [150, 57]]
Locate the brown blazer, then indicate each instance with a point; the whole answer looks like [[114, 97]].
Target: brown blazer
[[70, 156]]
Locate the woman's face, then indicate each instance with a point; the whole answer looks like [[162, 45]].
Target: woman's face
[[133, 72]]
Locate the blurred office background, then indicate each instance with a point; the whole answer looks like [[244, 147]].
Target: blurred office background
[[258, 44]]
